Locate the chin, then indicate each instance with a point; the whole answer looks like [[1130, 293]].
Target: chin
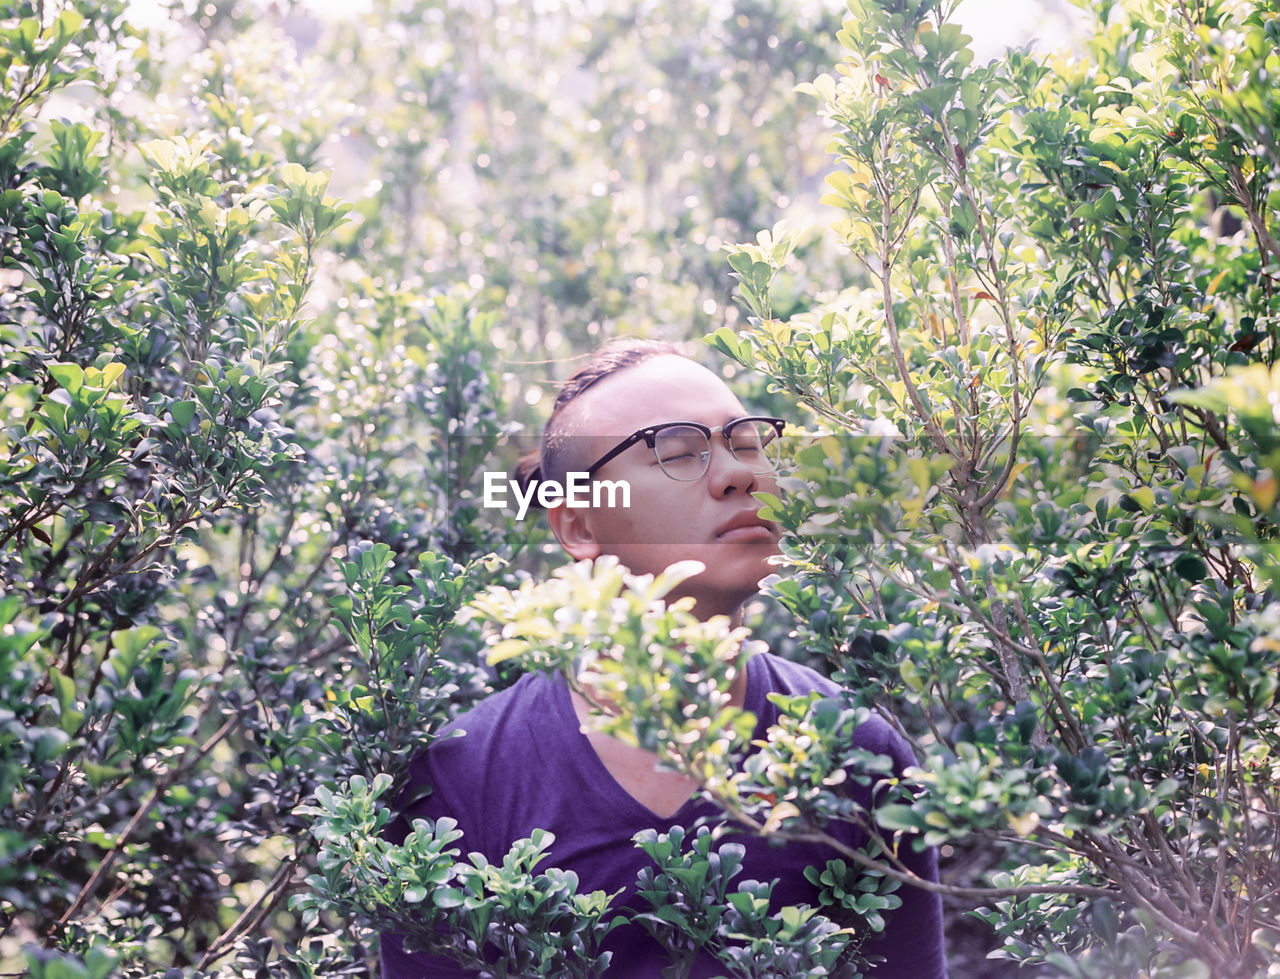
[[729, 597]]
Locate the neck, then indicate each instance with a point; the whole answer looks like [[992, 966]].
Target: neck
[[708, 608], [738, 689], [704, 611], [737, 694]]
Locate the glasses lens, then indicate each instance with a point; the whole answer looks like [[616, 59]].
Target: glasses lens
[[683, 453], [757, 445]]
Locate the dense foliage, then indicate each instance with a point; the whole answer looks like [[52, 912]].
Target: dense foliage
[[1074, 589], [1031, 505]]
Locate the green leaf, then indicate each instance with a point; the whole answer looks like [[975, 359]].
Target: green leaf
[[64, 688], [447, 897], [899, 817], [183, 412], [69, 376], [1191, 567]]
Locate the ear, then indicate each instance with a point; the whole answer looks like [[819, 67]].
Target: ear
[[572, 527]]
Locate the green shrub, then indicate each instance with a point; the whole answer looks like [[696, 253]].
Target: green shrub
[[1031, 514], [1036, 506]]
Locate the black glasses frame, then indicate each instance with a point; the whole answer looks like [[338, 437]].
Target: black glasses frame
[[650, 434]]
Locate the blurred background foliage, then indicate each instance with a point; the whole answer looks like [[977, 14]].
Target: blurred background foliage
[[273, 284]]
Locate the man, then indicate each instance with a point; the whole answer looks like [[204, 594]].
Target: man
[[692, 457]]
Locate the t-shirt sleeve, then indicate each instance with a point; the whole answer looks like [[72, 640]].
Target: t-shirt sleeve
[[912, 944], [396, 962], [399, 964]]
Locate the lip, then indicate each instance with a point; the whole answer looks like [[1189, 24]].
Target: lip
[[745, 526]]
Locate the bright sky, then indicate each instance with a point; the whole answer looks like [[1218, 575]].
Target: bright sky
[[999, 24], [993, 24]]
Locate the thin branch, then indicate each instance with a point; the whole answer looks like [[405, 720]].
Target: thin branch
[[252, 915], [157, 792]]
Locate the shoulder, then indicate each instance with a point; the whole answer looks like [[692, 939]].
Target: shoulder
[[526, 694], [466, 750], [777, 675]]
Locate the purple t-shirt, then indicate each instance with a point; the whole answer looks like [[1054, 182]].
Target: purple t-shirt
[[524, 764]]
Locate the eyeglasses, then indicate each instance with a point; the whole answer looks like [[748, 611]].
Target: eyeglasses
[[683, 449]]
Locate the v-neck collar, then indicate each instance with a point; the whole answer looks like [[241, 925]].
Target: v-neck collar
[[598, 776]]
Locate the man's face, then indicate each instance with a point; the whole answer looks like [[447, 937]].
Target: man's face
[[711, 519]]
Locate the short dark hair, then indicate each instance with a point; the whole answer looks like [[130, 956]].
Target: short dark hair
[[551, 459]]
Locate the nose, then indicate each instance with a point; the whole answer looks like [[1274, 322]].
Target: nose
[[726, 474]]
